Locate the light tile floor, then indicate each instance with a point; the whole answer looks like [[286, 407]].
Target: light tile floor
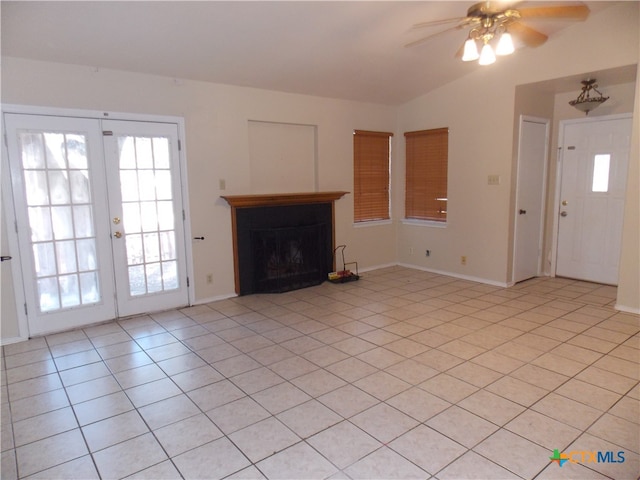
[[403, 374]]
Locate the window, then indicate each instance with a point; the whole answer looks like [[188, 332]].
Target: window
[[426, 181], [601, 173], [371, 160]]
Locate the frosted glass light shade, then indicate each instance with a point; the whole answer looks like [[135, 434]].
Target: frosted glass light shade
[[487, 56], [470, 51], [505, 45]]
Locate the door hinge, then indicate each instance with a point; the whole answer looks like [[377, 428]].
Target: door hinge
[[187, 281], [184, 216], [25, 309], [15, 225], [179, 145], [107, 133], [6, 141]]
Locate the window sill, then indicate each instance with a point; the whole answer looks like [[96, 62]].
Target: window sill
[[424, 223], [372, 223]]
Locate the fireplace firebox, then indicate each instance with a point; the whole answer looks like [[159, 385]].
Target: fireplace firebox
[[288, 258], [282, 242]]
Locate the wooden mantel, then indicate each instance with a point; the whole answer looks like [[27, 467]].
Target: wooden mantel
[[274, 200]]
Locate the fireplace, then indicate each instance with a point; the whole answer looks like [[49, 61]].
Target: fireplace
[[282, 242]]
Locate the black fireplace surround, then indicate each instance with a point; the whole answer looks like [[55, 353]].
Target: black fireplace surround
[[284, 247]]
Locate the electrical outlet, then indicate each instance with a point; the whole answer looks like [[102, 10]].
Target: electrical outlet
[[209, 278], [222, 184], [427, 253], [463, 260]]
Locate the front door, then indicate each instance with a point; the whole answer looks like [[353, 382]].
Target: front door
[[99, 215], [595, 158]]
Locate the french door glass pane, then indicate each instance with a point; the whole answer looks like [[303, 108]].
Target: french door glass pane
[[147, 214], [58, 195]]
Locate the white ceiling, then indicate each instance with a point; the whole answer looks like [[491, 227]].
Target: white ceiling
[[350, 50]]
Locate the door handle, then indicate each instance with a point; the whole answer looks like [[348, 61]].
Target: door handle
[[117, 234], [563, 214], [4, 258], [522, 212]]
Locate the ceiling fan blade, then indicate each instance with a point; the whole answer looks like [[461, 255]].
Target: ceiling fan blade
[[574, 12], [422, 40], [435, 23], [530, 36]]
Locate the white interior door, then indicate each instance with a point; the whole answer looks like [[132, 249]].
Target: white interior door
[[76, 270], [594, 175], [530, 193]]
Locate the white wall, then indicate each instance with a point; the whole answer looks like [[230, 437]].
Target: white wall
[[479, 110], [217, 147]]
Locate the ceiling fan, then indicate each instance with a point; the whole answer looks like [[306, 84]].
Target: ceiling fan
[[493, 25]]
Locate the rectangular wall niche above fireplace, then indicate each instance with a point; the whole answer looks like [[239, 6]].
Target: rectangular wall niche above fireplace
[[282, 242]]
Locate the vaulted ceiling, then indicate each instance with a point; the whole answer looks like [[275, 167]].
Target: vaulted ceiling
[[350, 50]]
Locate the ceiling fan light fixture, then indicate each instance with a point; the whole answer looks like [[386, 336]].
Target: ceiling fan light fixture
[[585, 102], [505, 45], [487, 55], [470, 51]]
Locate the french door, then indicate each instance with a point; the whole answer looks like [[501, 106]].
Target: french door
[[99, 217]]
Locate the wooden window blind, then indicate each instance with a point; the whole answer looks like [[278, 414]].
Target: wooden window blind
[[371, 156], [427, 155]]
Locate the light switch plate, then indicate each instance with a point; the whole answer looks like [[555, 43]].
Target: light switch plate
[[493, 180]]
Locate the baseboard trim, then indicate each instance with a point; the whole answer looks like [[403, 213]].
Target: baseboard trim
[[625, 309], [217, 298], [470, 278], [9, 341]]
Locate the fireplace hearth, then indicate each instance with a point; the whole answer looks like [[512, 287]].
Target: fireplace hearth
[[282, 242]]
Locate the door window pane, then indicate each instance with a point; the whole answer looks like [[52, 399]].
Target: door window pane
[[66, 254], [131, 217], [89, 287], [87, 259], [56, 150], [37, 187], [62, 222], [59, 187], [83, 220], [170, 275], [601, 173], [135, 254], [32, 145], [154, 278], [151, 248], [69, 290], [77, 151], [165, 216], [45, 259], [40, 223], [137, 283], [79, 180], [48, 294]]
